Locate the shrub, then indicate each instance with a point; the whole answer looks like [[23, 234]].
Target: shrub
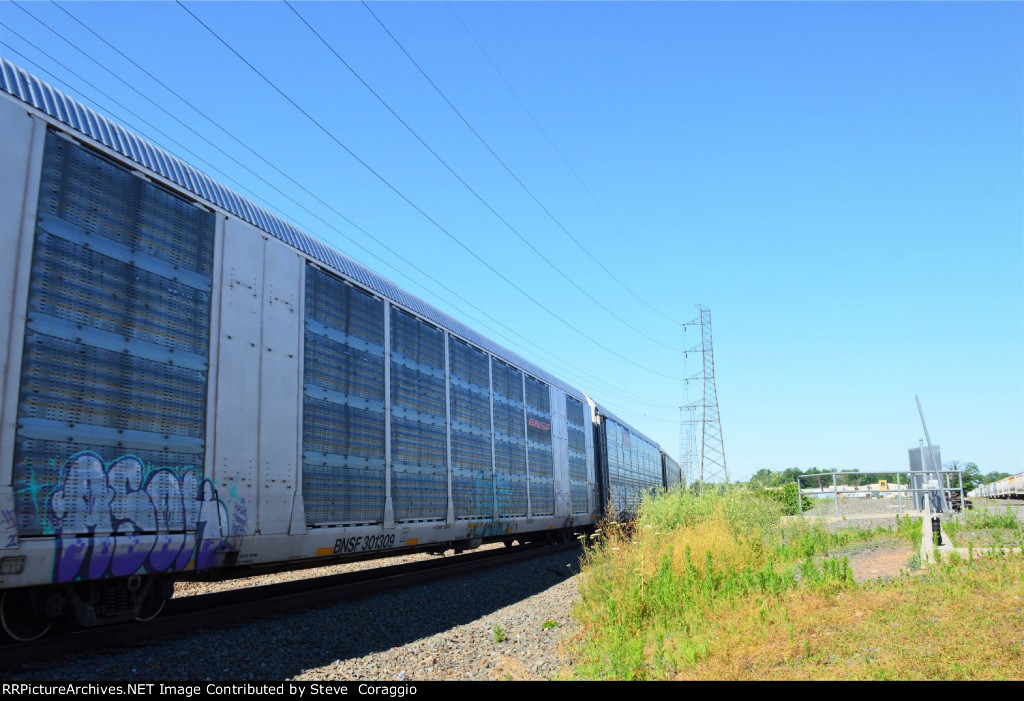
[[789, 497]]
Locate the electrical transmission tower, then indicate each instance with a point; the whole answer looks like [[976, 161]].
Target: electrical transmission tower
[[688, 456], [701, 417]]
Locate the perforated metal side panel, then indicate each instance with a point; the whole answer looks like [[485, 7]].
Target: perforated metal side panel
[[112, 411], [33, 91], [540, 453], [577, 455], [472, 483], [343, 407], [634, 466], [419, 464], [652, 476], [509, 439], [617, 465], [673, 475]]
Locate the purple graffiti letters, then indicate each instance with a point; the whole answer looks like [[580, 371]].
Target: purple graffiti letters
[[120, 520], [82, 500]]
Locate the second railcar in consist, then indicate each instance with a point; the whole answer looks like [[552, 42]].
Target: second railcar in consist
[[1011, 487], [192, 385]]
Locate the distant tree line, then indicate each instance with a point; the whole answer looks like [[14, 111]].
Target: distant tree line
[[773, 479], [972, 474], [768, 479]]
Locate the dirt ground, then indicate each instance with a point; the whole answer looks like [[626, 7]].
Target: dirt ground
[[878, 559]]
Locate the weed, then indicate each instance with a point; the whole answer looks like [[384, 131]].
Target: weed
[[550, 624], [990, 519], [988, 528], [701, 586], [953, 528], [833, 575], [911, 529], [498, 632], [789, 497]]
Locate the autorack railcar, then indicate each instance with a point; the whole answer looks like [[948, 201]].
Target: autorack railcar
[[192, 385]]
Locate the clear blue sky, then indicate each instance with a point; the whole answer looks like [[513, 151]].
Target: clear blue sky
[[842, 184]]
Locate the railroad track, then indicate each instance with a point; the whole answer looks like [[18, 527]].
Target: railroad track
[[193, 613]]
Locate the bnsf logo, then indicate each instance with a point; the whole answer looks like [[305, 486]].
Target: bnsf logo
[[539, 424]]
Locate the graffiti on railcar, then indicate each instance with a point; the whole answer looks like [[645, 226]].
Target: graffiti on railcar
[[486, 529], [239, 515], [8, 529], [116, 520]]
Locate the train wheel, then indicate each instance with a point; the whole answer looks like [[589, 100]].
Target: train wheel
[[154, 599], [20, 616], [151, 608]]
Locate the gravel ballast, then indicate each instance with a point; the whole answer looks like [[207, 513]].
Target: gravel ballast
[[439, 630]]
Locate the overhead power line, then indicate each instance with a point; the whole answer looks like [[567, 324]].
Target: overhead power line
[[508, 225], [418, 209], [170, 138], [602, 386], [515, 177], [553, 146], [620, 393]]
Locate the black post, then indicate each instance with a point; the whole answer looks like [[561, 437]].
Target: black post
[[936, 531]]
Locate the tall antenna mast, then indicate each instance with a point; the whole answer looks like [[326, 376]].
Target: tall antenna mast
[[703, 414]]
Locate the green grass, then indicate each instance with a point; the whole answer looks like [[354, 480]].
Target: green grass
[[990, 519], [985, 527], [697, 583], [646, 597], [911, 529]]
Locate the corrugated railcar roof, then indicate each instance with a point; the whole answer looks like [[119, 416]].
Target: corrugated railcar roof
[[24, 86]]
